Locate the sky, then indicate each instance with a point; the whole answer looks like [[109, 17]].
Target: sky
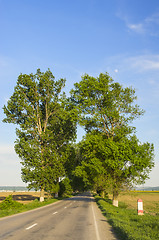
[[72, 38]]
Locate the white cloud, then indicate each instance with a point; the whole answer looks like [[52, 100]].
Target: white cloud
[[143, 62], [138, 63], [153, 19], [139, 28], [148, 25]]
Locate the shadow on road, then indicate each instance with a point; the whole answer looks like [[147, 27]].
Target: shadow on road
[[84, 197]]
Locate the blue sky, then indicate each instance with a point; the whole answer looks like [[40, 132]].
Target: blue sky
[[75, 37]]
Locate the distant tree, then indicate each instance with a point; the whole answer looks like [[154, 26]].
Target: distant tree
[[74, 160], [46, 125], [107, 110], [65, 188]]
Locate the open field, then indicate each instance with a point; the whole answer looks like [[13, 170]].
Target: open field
[[150, 200], [127, 224], [22, 197]]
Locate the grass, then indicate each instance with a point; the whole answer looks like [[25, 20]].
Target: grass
[[9, 206], [17, 202], [150, 200], [127, 224]]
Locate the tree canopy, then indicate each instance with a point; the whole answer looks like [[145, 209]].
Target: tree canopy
[[114, 165], [112, 155], [105, 106], [46, 125]]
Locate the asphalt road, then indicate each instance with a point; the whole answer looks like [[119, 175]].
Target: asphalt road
[[77, 218]]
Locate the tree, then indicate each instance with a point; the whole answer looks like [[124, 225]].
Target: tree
[[107, 111], [65, 188], [74, 160], [110, 165], [105, 106], [46, 125], [92, 167]]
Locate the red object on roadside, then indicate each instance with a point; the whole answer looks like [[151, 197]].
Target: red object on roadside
[[140, 207]]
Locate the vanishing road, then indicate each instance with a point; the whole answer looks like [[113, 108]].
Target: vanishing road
[[76, 218]]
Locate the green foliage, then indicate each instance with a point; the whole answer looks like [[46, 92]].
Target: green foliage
[[74, 160], [65, 188], [78, 184], [47, 124], [127, 224], [109, 157], [112, 156], [104, 105], [14, 207], [107, 164], [9, 203]]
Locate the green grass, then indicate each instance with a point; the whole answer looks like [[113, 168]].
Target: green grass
[[150, 200], [127, 224], [10, 207]]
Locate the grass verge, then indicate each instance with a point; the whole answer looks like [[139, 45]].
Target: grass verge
[[127, 224], [9, 206]]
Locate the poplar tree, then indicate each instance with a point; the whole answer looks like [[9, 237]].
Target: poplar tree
[[107, 110], [45, 125]]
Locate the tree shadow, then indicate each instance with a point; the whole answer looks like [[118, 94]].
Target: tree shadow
[[108, 200], [83, 197], [21, 197], [24, 197], [2, 198]]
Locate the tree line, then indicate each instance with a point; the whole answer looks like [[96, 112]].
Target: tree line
[[110, 157]]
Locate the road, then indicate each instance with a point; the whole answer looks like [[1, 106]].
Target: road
[[76, 218]]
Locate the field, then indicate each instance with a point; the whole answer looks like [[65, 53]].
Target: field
[[24, 201], [150, 200], [127, 224], [22, 197]]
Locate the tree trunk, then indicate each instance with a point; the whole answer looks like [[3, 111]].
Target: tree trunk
[[115, 198], [42, 195], [57, 194]]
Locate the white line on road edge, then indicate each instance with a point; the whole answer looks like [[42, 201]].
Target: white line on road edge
[[95, 223], [31, 226], [55, 213]]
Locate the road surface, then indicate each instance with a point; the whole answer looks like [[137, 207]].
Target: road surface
[[76, 218]]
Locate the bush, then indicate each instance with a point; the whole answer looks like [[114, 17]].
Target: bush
[[9, 203], [10, 207]]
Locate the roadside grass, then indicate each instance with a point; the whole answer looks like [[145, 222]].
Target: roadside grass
[[9, 206], [127, 224], [150, 200]]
